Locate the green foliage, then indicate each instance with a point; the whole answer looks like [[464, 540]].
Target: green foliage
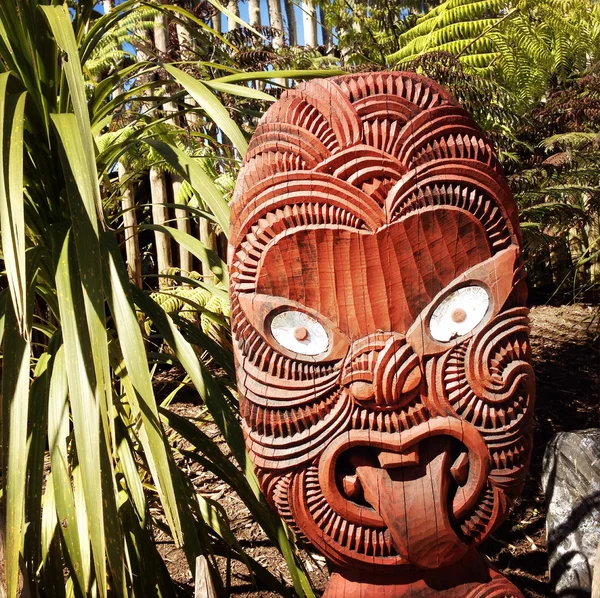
[[367, 31], [546, 44], [527, 72], [200, 306], [492, 105], [459, 27], [558, 186], [88, 471], [110, 53]]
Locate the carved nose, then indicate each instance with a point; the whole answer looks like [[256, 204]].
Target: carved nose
[[382, 370]]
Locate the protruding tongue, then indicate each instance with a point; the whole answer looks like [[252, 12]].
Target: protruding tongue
[[413, 502]]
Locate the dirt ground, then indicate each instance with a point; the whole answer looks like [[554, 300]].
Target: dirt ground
[[566, 353]]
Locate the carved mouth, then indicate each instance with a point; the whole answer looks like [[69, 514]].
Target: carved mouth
[[417, 484]]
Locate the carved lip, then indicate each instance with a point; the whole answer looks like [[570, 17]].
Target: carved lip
[[401, 444]]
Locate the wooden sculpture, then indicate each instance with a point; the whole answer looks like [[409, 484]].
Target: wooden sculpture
[[381, 333]]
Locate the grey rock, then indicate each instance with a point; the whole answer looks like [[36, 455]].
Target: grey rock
[[571, 481]]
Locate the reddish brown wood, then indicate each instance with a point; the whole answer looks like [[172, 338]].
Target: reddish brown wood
[[381, 334]]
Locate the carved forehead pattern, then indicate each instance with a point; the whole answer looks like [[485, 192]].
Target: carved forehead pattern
[[363, 151]]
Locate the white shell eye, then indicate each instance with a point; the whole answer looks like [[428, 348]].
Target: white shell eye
[[459, 313], [298, 332]]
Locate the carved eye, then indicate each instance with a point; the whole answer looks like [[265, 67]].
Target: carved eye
[[300, 333], [459, 313]]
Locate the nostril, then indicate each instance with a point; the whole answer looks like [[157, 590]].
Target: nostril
[[412, 381], [362, 391]]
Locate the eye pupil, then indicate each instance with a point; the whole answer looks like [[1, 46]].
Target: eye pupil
[[301, 333], [298, 332], [459, 315]]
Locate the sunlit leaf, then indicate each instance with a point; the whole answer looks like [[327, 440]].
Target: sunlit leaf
[[202, 184], [12, 218], [211, 105]]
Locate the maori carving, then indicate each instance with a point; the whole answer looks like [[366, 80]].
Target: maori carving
[[381, 333]]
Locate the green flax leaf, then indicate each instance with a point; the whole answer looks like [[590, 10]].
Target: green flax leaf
[[209, 102], [12, 219]]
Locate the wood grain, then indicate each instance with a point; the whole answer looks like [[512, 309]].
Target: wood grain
[[365, 203]]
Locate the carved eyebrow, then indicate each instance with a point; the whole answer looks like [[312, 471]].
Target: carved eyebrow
[[320, 194]]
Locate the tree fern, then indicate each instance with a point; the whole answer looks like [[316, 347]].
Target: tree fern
[[545, 44], [456, 26], [199, 306], [114, 48], [492, 106], [368, 30]]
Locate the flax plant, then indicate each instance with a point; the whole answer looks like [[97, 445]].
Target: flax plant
[[88, 475]]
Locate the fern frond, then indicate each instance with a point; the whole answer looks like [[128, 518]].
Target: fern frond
[[547, 42], [114, 48], [455, 26], [200, 307], [573, 140]]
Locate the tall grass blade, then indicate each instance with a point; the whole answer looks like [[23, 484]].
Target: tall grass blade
[[15, 407], [51, 558], [172, 8], [208, 257], [282, 74], [240, 90], [62, 495], [202, 184], [230, 15], [213, 396], [60, 23], [247, 487], [211, 105], [140, 392], [38, 424], [83, 398], [12, 218]]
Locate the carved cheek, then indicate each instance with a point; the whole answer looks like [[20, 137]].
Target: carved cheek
[[290, 408], [488, 381]]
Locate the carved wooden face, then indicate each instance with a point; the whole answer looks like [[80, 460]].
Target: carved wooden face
[[379, 321]]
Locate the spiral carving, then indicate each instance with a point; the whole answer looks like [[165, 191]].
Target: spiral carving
[[488, 380]]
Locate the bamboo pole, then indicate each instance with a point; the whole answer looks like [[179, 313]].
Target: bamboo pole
[[158, 182], [130, 227], [232, 5], [204, 587], [327, 41], [276, 21], [254, 13], [186, 259], [160, 215]]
